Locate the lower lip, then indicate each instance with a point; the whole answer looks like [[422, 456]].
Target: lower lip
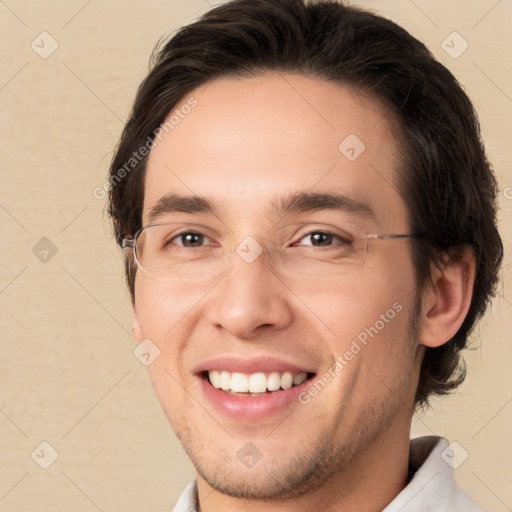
[[251, 408]]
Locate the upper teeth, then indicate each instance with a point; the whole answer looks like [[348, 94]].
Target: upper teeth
[[255, 382]]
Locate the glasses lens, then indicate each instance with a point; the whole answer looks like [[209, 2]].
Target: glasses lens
[[175, 252], [318, 253]]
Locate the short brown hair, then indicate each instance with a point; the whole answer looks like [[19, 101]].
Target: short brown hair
[[445, 178]]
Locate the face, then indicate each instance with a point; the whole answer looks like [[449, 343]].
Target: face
[[297, 294]]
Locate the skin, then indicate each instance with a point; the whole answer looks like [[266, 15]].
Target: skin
[[247, 141]]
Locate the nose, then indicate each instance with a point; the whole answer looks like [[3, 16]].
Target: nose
[[250, 297]]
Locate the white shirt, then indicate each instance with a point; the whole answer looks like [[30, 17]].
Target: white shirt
[[432, 488]]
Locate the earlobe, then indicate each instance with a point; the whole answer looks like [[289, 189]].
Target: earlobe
[[447, 298], [136, 329]]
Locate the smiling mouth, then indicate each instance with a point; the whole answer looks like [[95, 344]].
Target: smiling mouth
[[254, 384]]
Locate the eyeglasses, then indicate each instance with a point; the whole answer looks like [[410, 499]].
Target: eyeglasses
[[191, 253]]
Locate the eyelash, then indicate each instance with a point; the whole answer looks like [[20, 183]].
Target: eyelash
[[314, 232]]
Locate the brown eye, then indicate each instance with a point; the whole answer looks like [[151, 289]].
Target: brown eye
[[322, 239], [190, 239]]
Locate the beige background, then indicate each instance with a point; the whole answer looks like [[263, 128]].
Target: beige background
[[68, 373]]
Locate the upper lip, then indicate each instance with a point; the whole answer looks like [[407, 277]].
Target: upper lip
[[252, 365]]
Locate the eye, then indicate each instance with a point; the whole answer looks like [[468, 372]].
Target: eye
[[323, 239], [190, 239]]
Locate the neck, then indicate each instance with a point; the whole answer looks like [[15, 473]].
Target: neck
[[367, 484]]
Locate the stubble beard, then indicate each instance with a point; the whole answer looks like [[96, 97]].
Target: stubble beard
[[329, 456]]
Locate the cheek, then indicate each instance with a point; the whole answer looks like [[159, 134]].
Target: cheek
[[164, 314], [370, 309], [168, 387], [161, 307], [371, 344], [161, 310], [352, 304]]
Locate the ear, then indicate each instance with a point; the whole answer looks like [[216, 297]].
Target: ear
[[446, 298], [136, 328]]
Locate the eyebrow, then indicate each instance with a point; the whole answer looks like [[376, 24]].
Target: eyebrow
[[179, 203], [303, 202], [298, 202]]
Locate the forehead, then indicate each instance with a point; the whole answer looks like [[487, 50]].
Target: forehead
[[250, 141]]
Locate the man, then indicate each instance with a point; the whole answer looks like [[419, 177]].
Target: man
[[309, 223]]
